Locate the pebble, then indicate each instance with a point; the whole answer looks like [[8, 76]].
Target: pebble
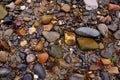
[[11, 5], [23, 43], [8, 32], [105, 61], [39, 46], [103, 29], [39, 70], [94, 67], [3, 56], [65, 7], [37, 23], [56, 51], [29, 1], [22, 32], [101, 45], [4, 45], [70, 38], [3, 12], [113, 7], [28, 76], [18, 2], [42, 57], [76, 76], [117, 34], [22, 7], [113, 27], [91, 5], [87, 43], [30, 58], [8, 20], [22, 67], [113, 70], [48, 27], [88, 32], [54, 37], [107, 53], [46, 19], [68, 59], [32, 30], [4, 71], [105, 75], [22, 55]]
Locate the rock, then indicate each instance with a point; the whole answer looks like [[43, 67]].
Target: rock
[[4, 45], [32, 30], [91, 5], [21, 32], [101, 45], [39, 46], [46, 19], [88, 32], [8, 20], [70, 38], [117, 34], [37, 23], [42, 57], [39, 70], [48, 27], [30, 58], [65, 7], [68, 59], [94, 67], [28, 76], [87, 43], [56, 51], [4, 71], [113, 7], [113, 27], [3, 56], [3, 11], [11, 5], [22, 7], [23, 43], [18, 2], [22, 67], [113, 70], [54, 37], [77, 77], [107, 53], [105, 75], [103, 29], [22, 55], [105, 61], [8, 32]]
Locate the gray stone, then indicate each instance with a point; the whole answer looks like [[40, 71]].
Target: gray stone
[[117, 34], [103, 29], [51, 36], [113, 27], [88, 32], [8, 32], [4, 71]]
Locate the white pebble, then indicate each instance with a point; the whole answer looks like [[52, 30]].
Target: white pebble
[[32, 30], [23, 43], [29, 1], [22, 7], [35, 76]]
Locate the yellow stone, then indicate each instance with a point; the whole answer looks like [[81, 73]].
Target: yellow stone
[[70, 38]]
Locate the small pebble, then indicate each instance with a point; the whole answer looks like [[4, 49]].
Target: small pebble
[[30, 58]]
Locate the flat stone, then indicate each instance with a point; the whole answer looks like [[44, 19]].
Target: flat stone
[[48, 27], [3, 11], [113, 70], [91, 4], [113, 27], [51, 36], [88, 32], [107, 53], [4, 71], [8, 32], [3, 56], [56, 51], [103, 29], [65, 7], [106, 61], [70, 38], [117, 34], [39, 46], [87, 43]]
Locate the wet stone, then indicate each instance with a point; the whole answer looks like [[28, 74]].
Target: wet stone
[[56, 51], [39, 70], [87, 43], [88, 32], [28, 76], [3, 11]]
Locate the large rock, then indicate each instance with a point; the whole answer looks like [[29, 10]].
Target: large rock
[[86, 31], [3, 12], [87, 43], [51, 36]]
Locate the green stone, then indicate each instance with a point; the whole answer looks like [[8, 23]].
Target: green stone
[[87, 43], [3, 11], [56, 51]]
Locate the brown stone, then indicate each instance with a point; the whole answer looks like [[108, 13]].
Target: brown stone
[[39, 46], [18, 2], [21, 32], [106, 61], [48, 27], [113, 7], [65, 8], [42, 57], [46, 19], [113, 70], [3, 56]]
